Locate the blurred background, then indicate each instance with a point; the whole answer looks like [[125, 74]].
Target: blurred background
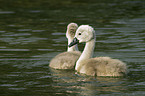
[[32, 32]]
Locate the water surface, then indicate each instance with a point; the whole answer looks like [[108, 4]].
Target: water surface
[[32, 33]]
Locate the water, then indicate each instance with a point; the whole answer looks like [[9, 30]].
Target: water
[[32, 33]]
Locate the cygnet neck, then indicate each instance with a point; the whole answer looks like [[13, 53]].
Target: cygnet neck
[[87, 52]]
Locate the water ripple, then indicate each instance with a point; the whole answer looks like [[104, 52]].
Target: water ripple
[[14, 50], [6, 12]]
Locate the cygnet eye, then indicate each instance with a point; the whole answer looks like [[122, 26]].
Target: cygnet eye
[[79, 33]]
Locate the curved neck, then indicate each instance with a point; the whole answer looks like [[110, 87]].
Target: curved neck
[[73, 48], [87, 52]]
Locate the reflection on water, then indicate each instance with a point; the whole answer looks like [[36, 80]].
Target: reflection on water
[[73, 83], [32, 33]]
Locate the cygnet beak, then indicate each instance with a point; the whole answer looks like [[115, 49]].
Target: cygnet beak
[[74, 42]]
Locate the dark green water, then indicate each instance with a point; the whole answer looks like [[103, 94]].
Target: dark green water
[[32, 32]]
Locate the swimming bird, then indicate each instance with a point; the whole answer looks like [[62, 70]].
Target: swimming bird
[[98, 66], [67, 60]]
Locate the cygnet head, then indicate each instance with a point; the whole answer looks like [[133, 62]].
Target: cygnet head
[[84, 33], [71, 30]]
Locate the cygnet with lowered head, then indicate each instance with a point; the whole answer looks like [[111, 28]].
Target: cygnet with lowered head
[[98, 66], [67, 60]]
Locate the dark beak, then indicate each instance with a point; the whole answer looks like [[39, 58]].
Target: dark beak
[[74, 42]]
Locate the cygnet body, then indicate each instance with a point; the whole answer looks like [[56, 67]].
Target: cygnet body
[[67, 60], [98, 66]]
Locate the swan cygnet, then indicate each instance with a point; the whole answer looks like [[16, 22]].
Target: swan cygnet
[[67, 60], [98, 66]]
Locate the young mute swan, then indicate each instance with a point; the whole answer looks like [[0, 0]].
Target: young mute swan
[[98, 66], [67, 60]]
